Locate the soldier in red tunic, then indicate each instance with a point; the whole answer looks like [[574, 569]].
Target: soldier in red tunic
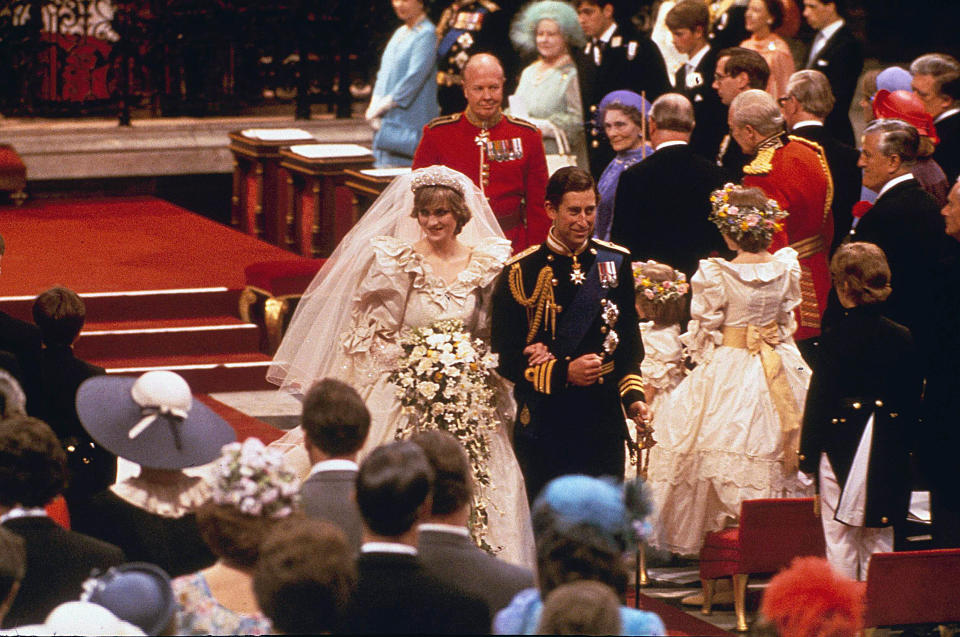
[[503, 155], [794, 172]]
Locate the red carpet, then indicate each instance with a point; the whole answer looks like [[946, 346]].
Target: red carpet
[[677, 621], [112, 245], [245, 426], [160, 283]]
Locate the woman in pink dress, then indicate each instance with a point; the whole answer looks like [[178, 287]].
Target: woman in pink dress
[[763, 17]]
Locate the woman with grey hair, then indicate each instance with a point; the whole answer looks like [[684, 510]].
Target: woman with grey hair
[[549, 93]]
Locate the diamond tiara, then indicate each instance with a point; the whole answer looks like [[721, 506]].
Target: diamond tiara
[[436, 176]]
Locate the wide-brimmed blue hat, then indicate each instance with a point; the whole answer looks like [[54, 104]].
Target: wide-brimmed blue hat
[[151, 420]]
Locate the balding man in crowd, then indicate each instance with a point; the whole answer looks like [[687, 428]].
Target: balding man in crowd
[[936, 81], [794, 172], [502, 154], [805, 105], [904, 221], [663, 202], [738, 70]]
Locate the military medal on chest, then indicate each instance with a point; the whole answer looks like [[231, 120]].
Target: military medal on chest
[[577, 275]]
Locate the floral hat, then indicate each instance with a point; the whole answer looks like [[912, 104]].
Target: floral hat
[[658, 291], [738, 221], [254, 479]]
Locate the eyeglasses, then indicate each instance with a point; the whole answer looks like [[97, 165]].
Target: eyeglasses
[[783, 100]]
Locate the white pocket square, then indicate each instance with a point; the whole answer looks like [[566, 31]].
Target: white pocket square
[[822, 62], [698, 98]]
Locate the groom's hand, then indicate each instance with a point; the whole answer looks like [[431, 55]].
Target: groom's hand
[[536, 354], [584, 370]]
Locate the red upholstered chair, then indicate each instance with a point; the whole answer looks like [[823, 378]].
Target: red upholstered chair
[[58, 512], [913, 587], [13, 174], [771, 533], [279, 285]]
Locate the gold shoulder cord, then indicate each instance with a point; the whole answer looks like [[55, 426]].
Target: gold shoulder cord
[[540, 304], [762, 163]]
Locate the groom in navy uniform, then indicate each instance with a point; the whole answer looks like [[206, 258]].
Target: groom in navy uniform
[[565, 328]]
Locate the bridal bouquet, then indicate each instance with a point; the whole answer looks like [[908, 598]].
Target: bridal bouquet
[[443, 382]]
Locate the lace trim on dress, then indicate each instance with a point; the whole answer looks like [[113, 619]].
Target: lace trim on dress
[[784, 260], [729, 472], [166, 500]]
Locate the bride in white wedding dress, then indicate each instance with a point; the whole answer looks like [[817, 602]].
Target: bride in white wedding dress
[[428, 249]]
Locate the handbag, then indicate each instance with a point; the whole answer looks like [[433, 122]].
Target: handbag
[[563, 157]]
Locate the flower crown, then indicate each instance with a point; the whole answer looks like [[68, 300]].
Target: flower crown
[[255, 480], [435, 176], [658, 291], [737, 221]]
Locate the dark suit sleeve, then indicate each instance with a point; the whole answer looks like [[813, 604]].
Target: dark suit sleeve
[[629, 354], [815, 414], [846, 63], [625, 210]]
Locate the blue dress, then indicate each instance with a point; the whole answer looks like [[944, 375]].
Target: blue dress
[[522, 616], [407, 74], [608, 188]]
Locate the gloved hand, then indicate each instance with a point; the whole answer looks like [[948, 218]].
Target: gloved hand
[[379, 105], [375, 123]]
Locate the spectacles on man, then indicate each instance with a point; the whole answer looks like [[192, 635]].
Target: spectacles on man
[[783, 100]]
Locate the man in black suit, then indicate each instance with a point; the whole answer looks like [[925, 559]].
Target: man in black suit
[[13, 566], [738, 70], [33, 470], [60, 314], [446, 548], [905, 222], [837, 54], [688, 22], [395, 594], [663, 202], [22, 341], [936, 81], [807, 102], [729, 26], [335, 425], [615, 58]]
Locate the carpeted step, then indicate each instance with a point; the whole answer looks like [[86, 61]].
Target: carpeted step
[[132, 339], [205, 374], [245, 426], [168, 304]]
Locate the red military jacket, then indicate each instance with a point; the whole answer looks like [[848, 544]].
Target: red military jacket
[[794, 172], [505, 160]]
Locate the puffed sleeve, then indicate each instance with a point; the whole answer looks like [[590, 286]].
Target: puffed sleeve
[[707, 311], [787, 318], [662, 364], [380, 301], [485, 265]]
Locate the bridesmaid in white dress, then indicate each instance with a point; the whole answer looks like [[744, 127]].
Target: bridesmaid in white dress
[[428, 249], [729, 431]]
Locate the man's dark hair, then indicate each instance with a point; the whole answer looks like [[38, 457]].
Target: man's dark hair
[[689, 14], [741, 60], [33, 465], [616, 4], [305, 576], [59, 313], [13, 561], [569, 179], [393, 483], [334, 418], [452, 484]]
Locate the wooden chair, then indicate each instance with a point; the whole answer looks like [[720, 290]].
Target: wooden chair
[[913, 587], [771, 533], [273, 289]]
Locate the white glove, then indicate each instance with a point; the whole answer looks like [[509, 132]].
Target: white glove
[[375, 123], [378, 106]]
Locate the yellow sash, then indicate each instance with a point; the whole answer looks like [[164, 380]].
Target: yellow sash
[[760, 340]]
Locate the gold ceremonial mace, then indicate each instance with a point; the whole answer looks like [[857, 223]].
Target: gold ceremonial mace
[[643, 138]]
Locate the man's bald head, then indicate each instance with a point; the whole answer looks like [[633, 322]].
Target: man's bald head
[[482, 63], [483, 86]]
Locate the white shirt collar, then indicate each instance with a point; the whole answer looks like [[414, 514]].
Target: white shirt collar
[[334, 464], [672, 142], [388, 547], [445, 528], [945, 114], [697, 57], [893, 182], [828, 31], [807, 122], [23, 512], [608, 34]]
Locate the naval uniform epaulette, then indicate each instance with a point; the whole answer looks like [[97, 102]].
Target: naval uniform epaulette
[[444, 119], [521, 122], [612, 246], [520, 255]]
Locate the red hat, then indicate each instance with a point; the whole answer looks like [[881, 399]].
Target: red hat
[[905, 106]]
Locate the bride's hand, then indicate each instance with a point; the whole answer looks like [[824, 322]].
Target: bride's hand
[[537, 353]]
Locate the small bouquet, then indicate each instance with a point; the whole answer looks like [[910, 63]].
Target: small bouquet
[[254, 479], [443, 382]]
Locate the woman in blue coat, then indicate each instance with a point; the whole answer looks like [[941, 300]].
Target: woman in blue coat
[[405, 94]]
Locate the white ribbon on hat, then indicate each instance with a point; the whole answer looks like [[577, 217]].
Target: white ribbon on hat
[[160, 393]]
